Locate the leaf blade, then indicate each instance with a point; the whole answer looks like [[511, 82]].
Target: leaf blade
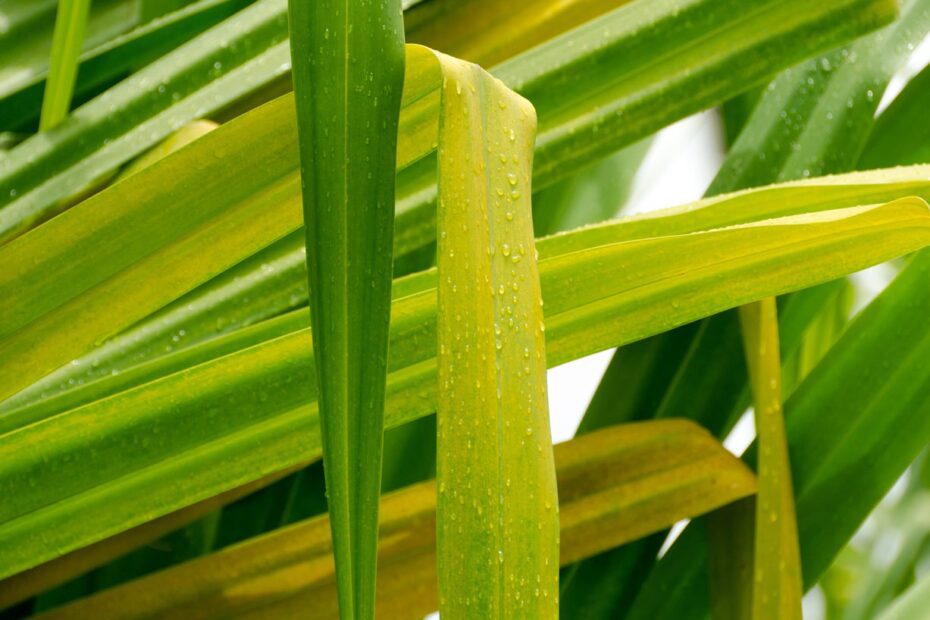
[[348, 70], [615, 485], [492, 418], [267, 412], [777, 565], [67, 40]]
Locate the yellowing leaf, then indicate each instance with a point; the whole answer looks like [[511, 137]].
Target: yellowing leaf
[[776, 561], [494, 450], [615, 486]]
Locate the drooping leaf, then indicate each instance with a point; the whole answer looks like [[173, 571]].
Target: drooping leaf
[[494, 450], [615, 485]]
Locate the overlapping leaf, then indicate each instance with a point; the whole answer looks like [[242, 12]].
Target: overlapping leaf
[[615, 485], [494, 449], [598, 294]]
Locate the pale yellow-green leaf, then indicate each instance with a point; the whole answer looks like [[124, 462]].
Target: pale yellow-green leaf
[[494, 450], [489, 32], [776, 584], [180, 138]]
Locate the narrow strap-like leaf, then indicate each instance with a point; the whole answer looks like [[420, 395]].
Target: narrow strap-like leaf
[[70, 23], [269, 423], [615, 485], [494, 456], [348, 68], [776, 561]]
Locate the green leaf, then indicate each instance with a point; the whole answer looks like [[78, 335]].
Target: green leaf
[[615, 486], [812, 116], [900, 137], [866, 395], [348, 71], [70, 24], [862, 582], [247, 52], [599, 293], [194, 81], [776, 592], [411, 220], [29, 29], [263, 18], [494, 450], [182, 137], [260, 276], [39, 579], [731, 542], [815, 118], [594, 194], [135, 231], [112, 59], [912, 604]]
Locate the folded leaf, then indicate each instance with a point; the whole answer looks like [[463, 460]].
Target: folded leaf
[[494, 450]]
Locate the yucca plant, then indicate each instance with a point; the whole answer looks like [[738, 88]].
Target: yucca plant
[[275, 354]]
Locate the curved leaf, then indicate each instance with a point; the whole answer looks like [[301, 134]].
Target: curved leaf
[[494, 449], [254, 417], [615, 486]]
